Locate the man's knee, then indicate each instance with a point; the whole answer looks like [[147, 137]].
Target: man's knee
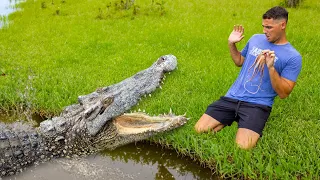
[[245, 144], [246, 139], [199, 127], [206, 123]]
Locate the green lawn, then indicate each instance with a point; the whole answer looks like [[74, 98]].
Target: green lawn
[[52, 53]]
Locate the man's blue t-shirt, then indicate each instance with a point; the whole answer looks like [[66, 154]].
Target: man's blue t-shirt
[[254, 86]]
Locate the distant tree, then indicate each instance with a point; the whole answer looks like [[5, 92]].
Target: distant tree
[[292, 3]]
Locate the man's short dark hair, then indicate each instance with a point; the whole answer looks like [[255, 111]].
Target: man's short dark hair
[[277, 12]]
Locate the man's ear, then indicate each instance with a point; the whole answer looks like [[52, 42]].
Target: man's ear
[[283, 24]]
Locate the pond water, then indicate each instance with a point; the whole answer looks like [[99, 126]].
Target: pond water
[[140, 161], [133, 161], [7, 7]]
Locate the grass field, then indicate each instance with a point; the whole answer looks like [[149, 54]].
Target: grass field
[[54, 51]]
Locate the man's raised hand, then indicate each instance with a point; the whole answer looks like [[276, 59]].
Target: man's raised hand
[[237, 34]]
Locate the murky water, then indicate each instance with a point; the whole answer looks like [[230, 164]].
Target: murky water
[[134, 161], [7, 7], [140, 161]]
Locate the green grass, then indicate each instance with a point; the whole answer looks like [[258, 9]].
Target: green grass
[[70, 48]]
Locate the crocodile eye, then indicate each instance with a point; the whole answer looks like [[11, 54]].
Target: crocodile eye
[[161, 59]]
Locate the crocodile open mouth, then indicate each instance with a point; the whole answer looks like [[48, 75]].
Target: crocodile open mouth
[[135, 123]]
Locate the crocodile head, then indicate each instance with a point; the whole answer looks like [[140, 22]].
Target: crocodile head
[[100, 118], [112, 101]]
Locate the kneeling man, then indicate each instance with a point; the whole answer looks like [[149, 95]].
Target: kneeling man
[[270, 67]]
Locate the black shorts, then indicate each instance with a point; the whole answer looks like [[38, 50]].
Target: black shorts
[[248, 115]]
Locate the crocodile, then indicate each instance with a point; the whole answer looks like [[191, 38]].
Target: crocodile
[[100, 120]]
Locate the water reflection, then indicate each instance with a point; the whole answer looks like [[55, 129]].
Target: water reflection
[[167, 164], [163, 173], [7, 7], [141, 161]]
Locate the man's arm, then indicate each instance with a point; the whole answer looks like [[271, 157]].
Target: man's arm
[[236, 56], [236, 36], [282, 86]]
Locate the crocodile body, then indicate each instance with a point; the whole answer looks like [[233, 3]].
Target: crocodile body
[[97, 122]]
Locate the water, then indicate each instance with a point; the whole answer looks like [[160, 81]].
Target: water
[[140, 161], [7, 7], [134, 161]]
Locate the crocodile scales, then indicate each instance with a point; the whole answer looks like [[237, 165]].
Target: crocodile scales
[[97, 122]]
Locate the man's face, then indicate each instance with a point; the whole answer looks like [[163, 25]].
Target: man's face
[[273, 29]]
